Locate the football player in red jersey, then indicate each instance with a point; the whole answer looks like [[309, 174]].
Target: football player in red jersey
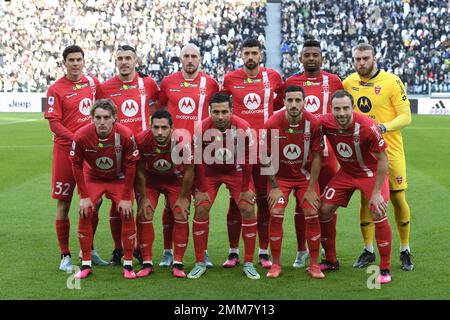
[[253, 89], [157, 174], [186, 95], [226, 144], [361, 151], [104, 156], [298, 145], [319, 86], [67, 109], [134, 97]]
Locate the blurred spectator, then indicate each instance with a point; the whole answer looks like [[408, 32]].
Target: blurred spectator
[[412, 37]]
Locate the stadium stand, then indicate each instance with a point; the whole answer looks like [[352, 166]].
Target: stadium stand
[[412, 38], [34, 33]]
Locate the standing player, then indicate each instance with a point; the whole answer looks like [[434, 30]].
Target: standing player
[[224, 146], [158, 174], [252, 88], [382, 96], [134, 96], [319, 86], [104, 156], [186, 94], [67, 109], [298, 141], [361, 151]]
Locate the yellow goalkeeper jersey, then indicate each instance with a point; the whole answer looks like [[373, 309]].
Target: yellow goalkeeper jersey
[[383, 98]]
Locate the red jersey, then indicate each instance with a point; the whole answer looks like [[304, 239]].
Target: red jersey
[[104, 159], [253, 97], [187, 100], [133, 100], [354, 146], [295, 144], [158, 159], [69, 102]]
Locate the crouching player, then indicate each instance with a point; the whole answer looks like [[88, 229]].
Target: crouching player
[[297, 139], [361, 151], [104, 156], [158, 173], [224, 141]]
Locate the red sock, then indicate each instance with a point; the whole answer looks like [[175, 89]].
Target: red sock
[[263, 223], [249, 229], [168, 223], [300, 228], [145, 236], [207, 236], [85, 236], [328, 239], [115, 224], [276, 236], [62, 233], [383, 235], [199, 227], [234, 221], [313, 238], [180, 239], [128, 237], [94, 226]]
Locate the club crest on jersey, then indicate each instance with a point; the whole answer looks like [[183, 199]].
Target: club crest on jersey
[[130, 108], [377, 90], [79, 86], [252, 101], [85, 106], [399, 179], [344, 150], [126, 87], [186, 84], [292, 151], [162, 165], [186, 105], [104, 163], [312, 103], [249, 80]]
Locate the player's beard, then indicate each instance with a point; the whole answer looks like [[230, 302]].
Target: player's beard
[[251, 65], [366, 72], [190, 69]]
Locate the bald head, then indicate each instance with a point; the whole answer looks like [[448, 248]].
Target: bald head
[[190, 47], [190, 60]]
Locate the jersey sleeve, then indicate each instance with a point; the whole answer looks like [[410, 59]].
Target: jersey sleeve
[[53, 105], [162, 96], [152, 90], [98, 89], [376, 142], [400, 103], [226, 85]]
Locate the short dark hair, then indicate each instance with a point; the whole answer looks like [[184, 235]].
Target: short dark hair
[[220, 97], [342, 94], [294, 88], [252, 42], [312, 43], [72, 49], [126, 47], [106, 104], [162, 114]]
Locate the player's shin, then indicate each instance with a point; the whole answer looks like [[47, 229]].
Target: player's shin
[[199, 226], [145, 236], [328, 238], [62, 232], [115, 224], [263, 222], [128, 236], [383, 235], [249, 229], [402, 217], [276, 236], [300, 228], [233, 224], [85, 236], [180, 239], [366, 224], [313, 236], [168, 225]]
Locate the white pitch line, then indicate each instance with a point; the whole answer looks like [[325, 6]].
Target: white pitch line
[[21, 121]]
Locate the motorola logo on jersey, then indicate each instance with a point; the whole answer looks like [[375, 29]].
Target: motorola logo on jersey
[[162, 165], [186, 105], [344, 150], [292, 151], [312, 103], [223, 155], [252, 101], [364, 104], [130, 108], [85, 106], [104, 163]]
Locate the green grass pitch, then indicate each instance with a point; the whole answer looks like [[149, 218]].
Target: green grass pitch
[[30, 256]]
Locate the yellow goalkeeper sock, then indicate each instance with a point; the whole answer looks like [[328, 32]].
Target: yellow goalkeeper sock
[[366, 224], [402, 216]]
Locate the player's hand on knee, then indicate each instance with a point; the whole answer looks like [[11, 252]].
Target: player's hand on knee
[[312, 197], [145, 209], [125, 208], [86, 205], [181, 208], [274, 197], [201, 198], [248, 197], [377, 205]]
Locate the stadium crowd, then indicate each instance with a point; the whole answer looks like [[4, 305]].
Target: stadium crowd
[[412, 37], [34, 33]]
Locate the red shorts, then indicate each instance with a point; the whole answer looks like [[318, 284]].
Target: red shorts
[[340, 189], [112, 189], [171, 191], [63, 181], [299, 188], [232, 180]]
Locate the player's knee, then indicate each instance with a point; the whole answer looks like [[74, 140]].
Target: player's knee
[[277, 212], [247, 211], [325, 212], [202, 210], [62, 209], [310, 213]]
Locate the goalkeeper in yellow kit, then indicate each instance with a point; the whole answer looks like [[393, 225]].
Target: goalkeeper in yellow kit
[[382, 96]]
